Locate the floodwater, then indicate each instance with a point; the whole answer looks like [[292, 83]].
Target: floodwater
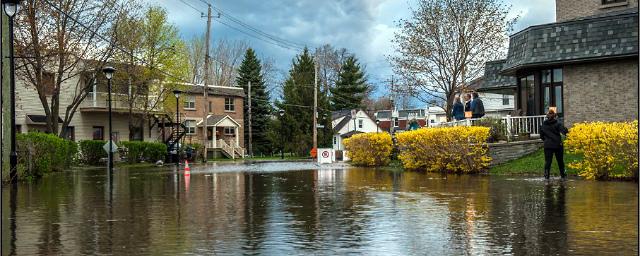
[[299, 208]]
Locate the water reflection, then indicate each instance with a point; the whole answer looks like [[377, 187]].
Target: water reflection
[[324, 211]]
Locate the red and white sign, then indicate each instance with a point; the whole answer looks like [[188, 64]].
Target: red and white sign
[[325, 155]]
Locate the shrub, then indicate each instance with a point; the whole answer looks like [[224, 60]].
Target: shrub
[[40, 153], [91, 151], [497, 128], [609, 149], [148, 151], [451, 149], [369, 149]]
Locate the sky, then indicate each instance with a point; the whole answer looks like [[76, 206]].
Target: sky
[[363, 27]]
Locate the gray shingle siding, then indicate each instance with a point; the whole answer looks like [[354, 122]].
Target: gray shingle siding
[[600, 37], [492, 78]]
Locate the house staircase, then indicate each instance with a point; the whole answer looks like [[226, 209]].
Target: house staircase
[[229, 150]]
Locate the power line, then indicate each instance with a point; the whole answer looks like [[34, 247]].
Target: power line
[[192, 7]]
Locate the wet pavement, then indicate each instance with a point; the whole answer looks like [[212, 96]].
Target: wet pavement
[[279, 208]]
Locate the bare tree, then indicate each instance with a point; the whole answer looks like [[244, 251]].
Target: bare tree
[[446, 43], [330, 62], [196, 58], [55, 39], [227, 56]]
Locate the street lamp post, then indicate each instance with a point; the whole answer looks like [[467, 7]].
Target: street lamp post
[[108, 72], [11, 8], [281, 113], [377, 125], [177, 94]]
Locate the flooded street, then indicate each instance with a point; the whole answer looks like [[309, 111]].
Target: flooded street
[[299, 208]]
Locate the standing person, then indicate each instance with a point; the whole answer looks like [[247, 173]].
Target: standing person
[[467, 102], [458, 109], [477, 106], [550, 133]]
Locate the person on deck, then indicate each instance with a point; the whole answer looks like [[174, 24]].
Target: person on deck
[[458, 109], [477, 106], [550, 133]]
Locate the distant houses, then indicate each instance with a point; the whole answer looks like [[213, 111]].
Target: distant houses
[[346, 123]]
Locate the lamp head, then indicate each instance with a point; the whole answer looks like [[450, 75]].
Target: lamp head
[[177, 93], [10, 7], [281, 112], [108, 71]]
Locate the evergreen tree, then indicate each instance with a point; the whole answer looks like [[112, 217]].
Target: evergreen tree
[[297, 101], [351, 86], [251, 71]]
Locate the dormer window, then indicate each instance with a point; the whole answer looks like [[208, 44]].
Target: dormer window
[[608, 2]]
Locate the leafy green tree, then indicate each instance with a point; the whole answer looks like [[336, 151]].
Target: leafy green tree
[[351, 87], [251, 71], [297, 102]]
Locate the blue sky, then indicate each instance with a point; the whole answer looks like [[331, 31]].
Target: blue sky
[[364, 27]]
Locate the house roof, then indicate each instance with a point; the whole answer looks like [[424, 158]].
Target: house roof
[[384, 114], [612, 35], [214, 120], [340, 113], [342, 123], [217, 90], [39, 119], [349, 134], [492, 79]]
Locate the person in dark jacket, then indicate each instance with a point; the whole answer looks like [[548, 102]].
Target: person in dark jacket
[[477, 106], [458, 109], [550, 133], [467, 102]]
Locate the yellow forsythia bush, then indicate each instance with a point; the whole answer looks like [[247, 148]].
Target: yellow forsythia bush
[[606, 147], [451, 149], [369, 149]]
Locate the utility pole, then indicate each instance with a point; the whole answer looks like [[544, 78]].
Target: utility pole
[[205, 87], [250, 131], [315, 102]]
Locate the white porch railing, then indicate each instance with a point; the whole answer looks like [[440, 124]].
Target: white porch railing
[[227, 148], [120, 101], [514, 125]]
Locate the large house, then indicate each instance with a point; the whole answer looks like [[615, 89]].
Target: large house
[[225, 116], [90, 121], [346, 123], [585, 64]]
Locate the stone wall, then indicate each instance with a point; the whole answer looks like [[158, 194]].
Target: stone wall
[[603, 91], [571, 9], [503, 152]]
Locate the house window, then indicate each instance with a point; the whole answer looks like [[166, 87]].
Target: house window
[[505, 99], [190, 102], [396, 123], [191, 126], [552, 89], [115, 136], [210, 106], [335, 141], [606, 2], [49, 83], [229, 131], [98, 133], [71, 133], [228, 104], [360, 122]]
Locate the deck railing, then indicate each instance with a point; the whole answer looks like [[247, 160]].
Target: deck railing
[[121, 101], [514, 125]]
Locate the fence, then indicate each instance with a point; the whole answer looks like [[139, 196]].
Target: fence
[[515, 125]]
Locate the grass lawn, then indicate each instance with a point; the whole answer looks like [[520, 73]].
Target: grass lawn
[[533, 164]]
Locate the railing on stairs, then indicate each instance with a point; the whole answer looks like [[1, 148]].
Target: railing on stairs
[[227, 149]]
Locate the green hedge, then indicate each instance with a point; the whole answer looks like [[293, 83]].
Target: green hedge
[[40, 153], [91, 151], [148, 151]]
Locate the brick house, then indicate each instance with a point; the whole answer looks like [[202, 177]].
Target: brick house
[[225, 116], [585, 64]]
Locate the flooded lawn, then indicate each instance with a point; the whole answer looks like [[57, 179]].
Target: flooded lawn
[[298, 208]]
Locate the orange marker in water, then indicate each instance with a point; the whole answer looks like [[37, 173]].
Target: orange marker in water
[[187, 170]]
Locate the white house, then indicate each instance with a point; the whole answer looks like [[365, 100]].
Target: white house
[[346, 123]]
